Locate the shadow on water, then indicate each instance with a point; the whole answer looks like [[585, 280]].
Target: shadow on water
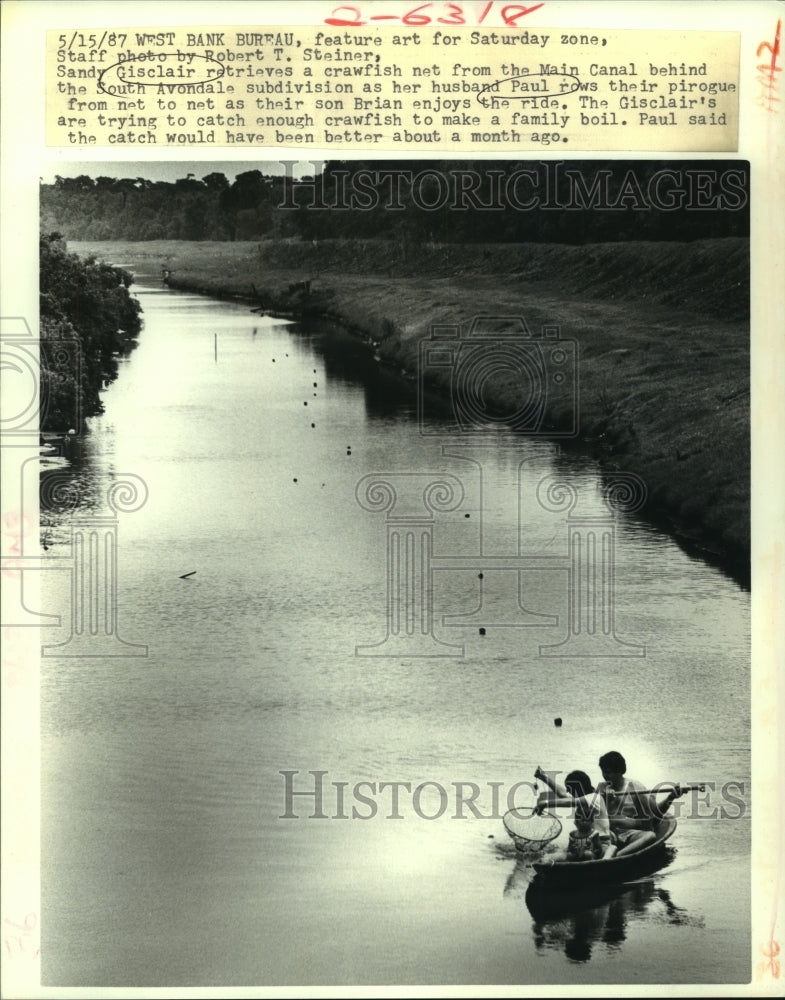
[[387, 393], [390, 393], [577, 921]]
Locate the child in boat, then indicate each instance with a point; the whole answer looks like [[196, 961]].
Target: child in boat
[[591, 839], [585, 840]]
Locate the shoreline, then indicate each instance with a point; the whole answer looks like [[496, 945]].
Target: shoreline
[[663, 391]]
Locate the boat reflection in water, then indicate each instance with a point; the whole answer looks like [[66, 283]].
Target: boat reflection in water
[[575, 921]]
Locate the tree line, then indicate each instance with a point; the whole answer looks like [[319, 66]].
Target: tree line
[[88, 320], [415, 200]]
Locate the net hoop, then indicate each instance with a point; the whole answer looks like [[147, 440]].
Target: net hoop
[[531, 831]]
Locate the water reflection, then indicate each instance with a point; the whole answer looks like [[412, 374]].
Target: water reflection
[[81, 479], [69, 486], [602, 917], [577, 921]]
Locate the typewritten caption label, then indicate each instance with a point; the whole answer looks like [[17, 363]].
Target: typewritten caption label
[[446, 88]]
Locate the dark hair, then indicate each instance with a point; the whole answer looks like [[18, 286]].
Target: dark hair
[[613, 761], [578, 783]]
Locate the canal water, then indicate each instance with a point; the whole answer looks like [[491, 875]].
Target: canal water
[[300, 780]]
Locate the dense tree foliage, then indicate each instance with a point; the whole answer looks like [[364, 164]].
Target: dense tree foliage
[[88, 320], [416, 201]]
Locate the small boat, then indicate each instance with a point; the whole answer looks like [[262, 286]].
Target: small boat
[[573, 874]]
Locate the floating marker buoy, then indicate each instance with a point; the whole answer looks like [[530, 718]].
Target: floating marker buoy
[[482, 631], [557, 721]]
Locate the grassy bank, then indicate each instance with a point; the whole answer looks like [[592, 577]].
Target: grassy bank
[[662, 333]]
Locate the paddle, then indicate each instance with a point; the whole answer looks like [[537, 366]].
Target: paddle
[[540, 775], [656, 791]]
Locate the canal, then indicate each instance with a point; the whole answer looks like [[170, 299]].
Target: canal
[[344, 634]]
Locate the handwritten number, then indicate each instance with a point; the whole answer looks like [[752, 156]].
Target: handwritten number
[[485, 11], [348, 16], [512, 12], [413, 18], [341, 23], [456, 15], [767, 72], [774, 49]]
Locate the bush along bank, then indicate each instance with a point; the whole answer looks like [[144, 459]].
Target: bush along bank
[[88, 320]]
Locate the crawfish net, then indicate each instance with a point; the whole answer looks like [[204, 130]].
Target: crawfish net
[[530, 830]]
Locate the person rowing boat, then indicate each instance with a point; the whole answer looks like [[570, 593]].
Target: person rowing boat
[[632, 810]]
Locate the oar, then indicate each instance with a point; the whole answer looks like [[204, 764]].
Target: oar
[[540, 775], [654, 791]]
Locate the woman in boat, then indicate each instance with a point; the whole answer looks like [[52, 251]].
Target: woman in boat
[[591, 839], [631, 815]]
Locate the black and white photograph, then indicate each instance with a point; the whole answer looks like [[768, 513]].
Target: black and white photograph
[[386, 531], [409, 515]]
